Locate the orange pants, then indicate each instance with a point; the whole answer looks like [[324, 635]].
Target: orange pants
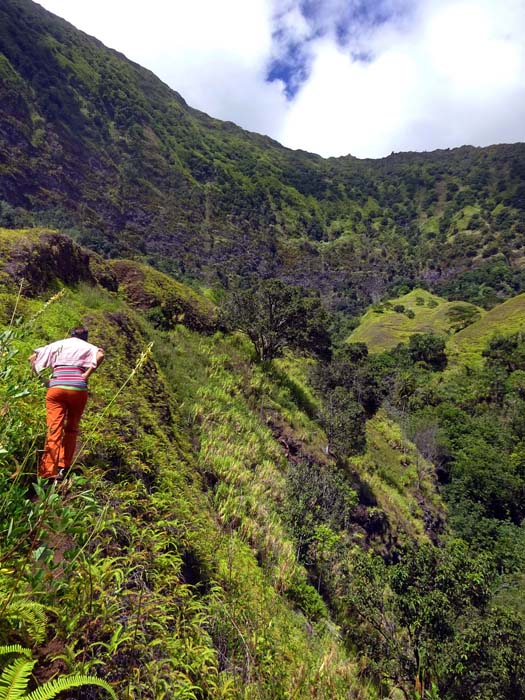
[[64, 410]]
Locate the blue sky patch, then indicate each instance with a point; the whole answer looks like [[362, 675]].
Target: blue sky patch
[[292, 68], [347, 22]]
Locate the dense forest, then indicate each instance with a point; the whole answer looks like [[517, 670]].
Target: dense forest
[[301, 472]]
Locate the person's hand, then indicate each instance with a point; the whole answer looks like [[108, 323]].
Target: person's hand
[[31, 359], [87, 373]]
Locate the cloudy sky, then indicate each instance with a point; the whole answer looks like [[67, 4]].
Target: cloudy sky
[[365, 77]]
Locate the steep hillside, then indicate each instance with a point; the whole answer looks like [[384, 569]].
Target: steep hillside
[[207, 543], [170, 558], [166, 557], [93, 143]]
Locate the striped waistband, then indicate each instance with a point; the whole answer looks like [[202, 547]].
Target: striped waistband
[[68, 377]]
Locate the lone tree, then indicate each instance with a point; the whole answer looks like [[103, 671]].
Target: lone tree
[[275, 316]]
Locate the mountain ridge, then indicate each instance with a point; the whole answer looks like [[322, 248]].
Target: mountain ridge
[[96, 145]]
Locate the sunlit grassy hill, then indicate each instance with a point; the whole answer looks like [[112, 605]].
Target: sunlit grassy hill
[[389, 323], [383, 327], [466, 346]]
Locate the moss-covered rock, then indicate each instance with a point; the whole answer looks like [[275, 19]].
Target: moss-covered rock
[[45, 259]]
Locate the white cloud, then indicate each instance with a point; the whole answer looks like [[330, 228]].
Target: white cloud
[[454, 75], [347, 106], [441, 72], [289, 19]]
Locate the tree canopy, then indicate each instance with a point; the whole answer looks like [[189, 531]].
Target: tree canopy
[[275, 316]]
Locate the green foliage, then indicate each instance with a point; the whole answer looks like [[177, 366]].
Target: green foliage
[[406, 614], [351, 387], [482, 474], [507, 352], [429, 349], [22, 616], [318, 496], [351, 367], [487, 284], [307, 599], [15, 439], [344, 421], [486, 659], [276, 316], [15, 678], [468, 424], [15, 649], [461, 316]]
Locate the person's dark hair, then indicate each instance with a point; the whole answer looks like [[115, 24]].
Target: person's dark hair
[[80, 332]]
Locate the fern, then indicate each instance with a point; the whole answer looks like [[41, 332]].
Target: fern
[[31, 615], [14, 679], [52, 688]]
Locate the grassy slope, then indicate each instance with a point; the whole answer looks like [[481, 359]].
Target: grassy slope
[[466, 346], [188, 536], [383, 330], [400, 478], [148, 289], [188, 467]]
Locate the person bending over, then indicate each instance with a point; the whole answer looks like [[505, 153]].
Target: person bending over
[[72, 361]]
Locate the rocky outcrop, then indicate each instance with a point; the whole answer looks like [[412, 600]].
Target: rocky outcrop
[[44, 259]]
